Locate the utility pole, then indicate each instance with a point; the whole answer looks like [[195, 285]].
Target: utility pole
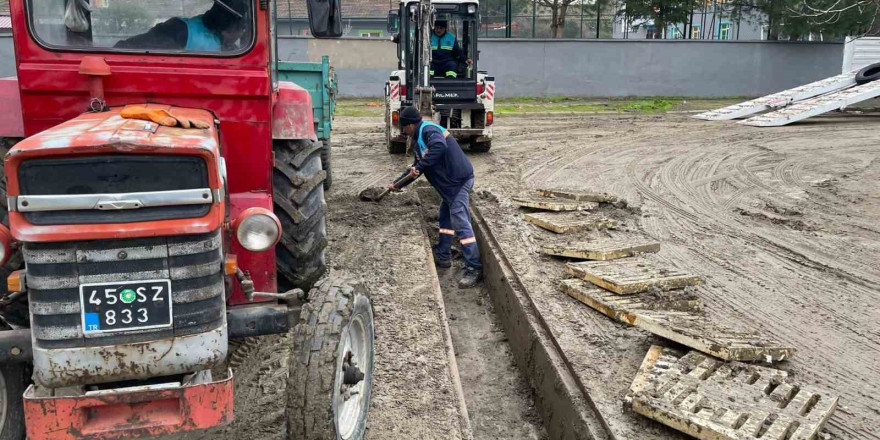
[[598, 17], [509, 19]]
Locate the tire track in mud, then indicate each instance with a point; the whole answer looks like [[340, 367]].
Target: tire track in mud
[[756, 272], [691, 200], [673, 179]]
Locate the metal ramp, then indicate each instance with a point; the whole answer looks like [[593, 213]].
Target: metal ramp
[[781, 99], [816, 106]]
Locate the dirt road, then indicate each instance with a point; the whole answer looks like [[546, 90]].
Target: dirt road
[[780, 222]]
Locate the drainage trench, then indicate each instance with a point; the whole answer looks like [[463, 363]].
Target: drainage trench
[[500, 400]]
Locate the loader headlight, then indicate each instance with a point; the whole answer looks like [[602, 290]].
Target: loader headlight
[[472, 9], [257, 229], [5, 244]]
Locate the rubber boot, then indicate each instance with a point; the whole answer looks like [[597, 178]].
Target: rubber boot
[[470, 278]]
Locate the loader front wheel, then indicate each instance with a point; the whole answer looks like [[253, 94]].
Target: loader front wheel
[[331, 365], [298, 185]]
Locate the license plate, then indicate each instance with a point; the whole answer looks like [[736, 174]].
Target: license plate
[[125, 305]]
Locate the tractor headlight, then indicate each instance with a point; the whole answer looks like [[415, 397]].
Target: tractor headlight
[[472, 9], [257, 229]]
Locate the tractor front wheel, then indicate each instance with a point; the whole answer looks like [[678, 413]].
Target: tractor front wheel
[[298, 182], [12, 383], [331, 365]]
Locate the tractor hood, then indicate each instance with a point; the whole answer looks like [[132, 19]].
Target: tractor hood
[[111, 133]]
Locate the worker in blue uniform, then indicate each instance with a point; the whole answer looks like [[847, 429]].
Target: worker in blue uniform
[[439, 157], [219, 29], [446, 54]]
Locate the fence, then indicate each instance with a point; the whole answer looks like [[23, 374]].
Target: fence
[[598, 68], [584, 68]]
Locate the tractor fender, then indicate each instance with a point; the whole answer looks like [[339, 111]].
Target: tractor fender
[[292, 113], [11, 122]]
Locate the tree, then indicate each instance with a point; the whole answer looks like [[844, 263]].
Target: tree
[[558, 11], [662, 12], [836, 17]]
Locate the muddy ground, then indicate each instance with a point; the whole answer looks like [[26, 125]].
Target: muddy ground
[[780, 222], [384, 247], [498, 399]]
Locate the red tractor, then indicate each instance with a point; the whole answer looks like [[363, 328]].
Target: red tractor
[[160, 187]]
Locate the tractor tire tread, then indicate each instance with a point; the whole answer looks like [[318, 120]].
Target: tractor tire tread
[[313, 360], [300, 206]]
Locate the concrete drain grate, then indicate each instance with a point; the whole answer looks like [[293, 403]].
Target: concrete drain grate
[[580, 196], [674, 316], [553, 203], [632, 275], [714, 400], [604, 248], [564, 223]]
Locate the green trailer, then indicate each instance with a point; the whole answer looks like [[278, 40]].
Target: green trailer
[[320, 80]]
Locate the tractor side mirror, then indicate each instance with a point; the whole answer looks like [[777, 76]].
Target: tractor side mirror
[[393, 22], [325, 18]]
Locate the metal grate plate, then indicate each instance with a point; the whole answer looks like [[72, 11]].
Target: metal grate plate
[[604, 248], [816, 106], [632, 275], [781, 99], [713, 400], [675, 317]]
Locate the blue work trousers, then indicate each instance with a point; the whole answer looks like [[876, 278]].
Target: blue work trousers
[[444, 68], [455, 221]]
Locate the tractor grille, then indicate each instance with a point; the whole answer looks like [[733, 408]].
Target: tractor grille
[[193, 263], [112, 174]]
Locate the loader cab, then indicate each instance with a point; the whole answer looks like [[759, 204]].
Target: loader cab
[[463, 24]]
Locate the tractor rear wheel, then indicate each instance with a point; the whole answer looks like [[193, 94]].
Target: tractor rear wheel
[[331, 365], [298, 197]]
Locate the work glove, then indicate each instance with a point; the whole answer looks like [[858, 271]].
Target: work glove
[[157, 115], [162, 117], [185, 122]]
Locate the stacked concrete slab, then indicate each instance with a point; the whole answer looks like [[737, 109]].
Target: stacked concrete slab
[[618, 277]]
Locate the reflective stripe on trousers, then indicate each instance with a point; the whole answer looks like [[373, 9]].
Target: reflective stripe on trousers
[[453, 215]]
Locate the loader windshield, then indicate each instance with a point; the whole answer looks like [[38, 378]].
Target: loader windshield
[[460, 28], [224, 27]]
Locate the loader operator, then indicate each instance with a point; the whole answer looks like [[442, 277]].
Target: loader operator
[[446, 54], [449, 171], [216, 30]]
